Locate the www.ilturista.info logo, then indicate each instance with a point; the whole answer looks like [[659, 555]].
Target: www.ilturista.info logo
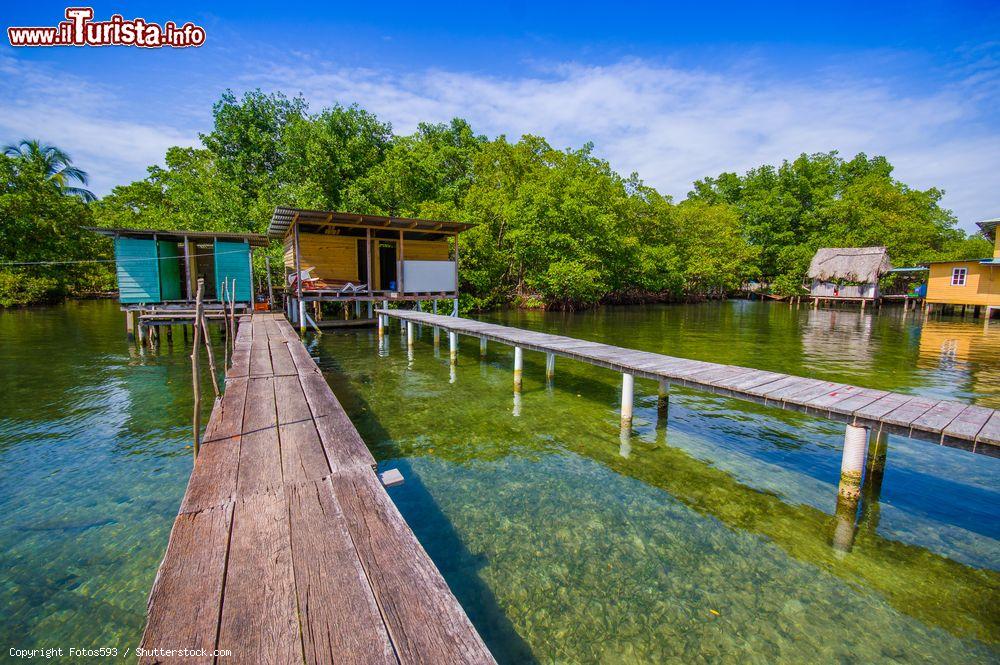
[[79, 29]]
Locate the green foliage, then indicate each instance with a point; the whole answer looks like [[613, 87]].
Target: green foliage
[[553, 228], [41, 221]]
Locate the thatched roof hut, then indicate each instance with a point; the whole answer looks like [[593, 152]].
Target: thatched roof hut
[[848, 272], [861, 265]]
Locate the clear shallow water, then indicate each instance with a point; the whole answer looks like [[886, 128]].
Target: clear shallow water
[[708, 538]]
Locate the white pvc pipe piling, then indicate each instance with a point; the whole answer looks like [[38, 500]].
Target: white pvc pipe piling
[[852, 462], [518, 367], [628, 390]]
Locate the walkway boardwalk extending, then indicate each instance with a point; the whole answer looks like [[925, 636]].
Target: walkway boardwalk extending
[[954, 424], [287, 549]]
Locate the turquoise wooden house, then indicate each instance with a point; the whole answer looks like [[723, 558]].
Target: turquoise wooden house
[[160, 269]]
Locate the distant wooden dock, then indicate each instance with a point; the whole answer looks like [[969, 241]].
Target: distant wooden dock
[[950, 423], [287, 549]]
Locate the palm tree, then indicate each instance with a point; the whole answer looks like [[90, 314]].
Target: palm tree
[[55, 163]]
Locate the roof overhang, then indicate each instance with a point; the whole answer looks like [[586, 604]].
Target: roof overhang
[[284, 218], [254, 239], [989, 227]]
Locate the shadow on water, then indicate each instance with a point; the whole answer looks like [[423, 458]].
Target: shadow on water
[[434, 530]]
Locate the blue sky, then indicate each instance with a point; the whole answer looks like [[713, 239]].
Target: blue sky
[[672, 91]]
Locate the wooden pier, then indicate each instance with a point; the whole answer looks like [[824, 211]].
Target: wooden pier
[[287, 548], [950, 423]]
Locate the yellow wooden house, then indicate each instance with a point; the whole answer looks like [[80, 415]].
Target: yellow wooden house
[[350, 258], [975, 282]]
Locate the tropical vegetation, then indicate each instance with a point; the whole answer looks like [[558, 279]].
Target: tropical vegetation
[[555, 228]]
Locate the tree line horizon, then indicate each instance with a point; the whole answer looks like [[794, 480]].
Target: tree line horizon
[[554, 228]]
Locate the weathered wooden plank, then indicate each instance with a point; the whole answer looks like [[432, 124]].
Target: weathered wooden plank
[[281, 357], [990, 433], [260, 356], [260, 621], [343, 444], [340, 619], [186, 599], [213, 479], [240, 362], [938, 416], [302, 454], [909, 411], [765, 390], [880, 407], [424, 619], [846, 400], [260, 457], [968, 423]]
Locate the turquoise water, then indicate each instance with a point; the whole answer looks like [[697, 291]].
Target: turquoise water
[[705, 535]]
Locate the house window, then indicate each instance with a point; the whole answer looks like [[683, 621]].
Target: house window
[[958, 276]]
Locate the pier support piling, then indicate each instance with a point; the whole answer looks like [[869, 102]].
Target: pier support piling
[[482, 347], [129, 324], [381, 326], [628, 394], [518, 367], [852, 462], [663, 397], [550, 366], [453, 347], [437, 337], [409, 334]]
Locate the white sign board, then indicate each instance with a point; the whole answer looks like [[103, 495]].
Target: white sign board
[[428, 276]]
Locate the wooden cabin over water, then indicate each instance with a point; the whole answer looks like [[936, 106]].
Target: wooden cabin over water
[[974, 282], [158, 271], [352, 258], [847, 273]]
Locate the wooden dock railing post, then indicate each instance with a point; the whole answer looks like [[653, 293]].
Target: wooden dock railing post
[[211, 356], [195, 367]]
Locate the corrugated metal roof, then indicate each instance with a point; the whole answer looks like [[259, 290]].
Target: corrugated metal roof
[[283, 218], [255, 239]]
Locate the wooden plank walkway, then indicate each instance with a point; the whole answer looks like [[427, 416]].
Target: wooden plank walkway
[[287, 548], [950, 423]]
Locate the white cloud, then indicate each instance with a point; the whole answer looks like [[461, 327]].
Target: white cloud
[[83, 117], [674, 126], [671, 125]]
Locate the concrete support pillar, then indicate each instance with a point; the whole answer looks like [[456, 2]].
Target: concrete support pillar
[[550, 366], [852, 462], [518, 367], [437, 338], [628, 394], [453, 346], [516, 411], [482, 347], [454, 308], [409, 334], [381, 326], [371, 309], [302, 316]]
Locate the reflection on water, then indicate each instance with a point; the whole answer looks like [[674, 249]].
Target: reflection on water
[[716, 532], [93, 438], [709, 533]]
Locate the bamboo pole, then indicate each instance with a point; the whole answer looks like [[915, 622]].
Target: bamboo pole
[[211, 355], [225, 323], [195, 369], [270, 290], [232, 314]]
